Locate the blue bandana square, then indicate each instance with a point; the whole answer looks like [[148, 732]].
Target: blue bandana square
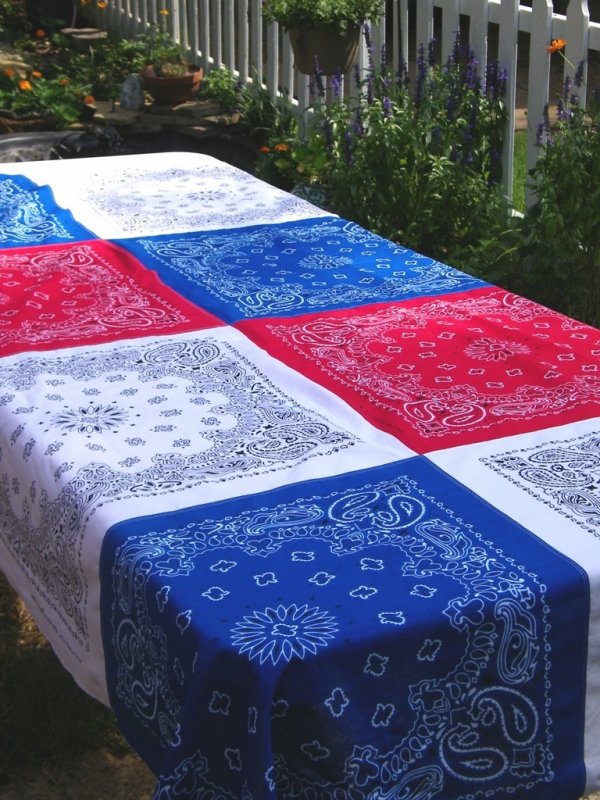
[[293, 268], [357, 636]]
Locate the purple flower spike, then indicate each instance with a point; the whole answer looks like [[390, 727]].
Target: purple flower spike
[[336, 85], [357, 125], [546, 123], [319, 82], [421, 76], [567, 89], [368, 38], [539, 134], [431, 58]]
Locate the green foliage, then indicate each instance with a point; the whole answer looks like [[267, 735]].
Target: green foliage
[[315, 13], [221, 86], [559, 259], [158, 47], [35, 94], [14, 24], [115, 59], [263, 116]]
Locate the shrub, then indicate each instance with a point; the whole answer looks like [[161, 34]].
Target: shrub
[[559, 258]]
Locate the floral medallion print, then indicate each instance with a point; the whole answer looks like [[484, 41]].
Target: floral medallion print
[[283, 633]]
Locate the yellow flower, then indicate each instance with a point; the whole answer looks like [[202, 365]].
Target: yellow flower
[[85, 2], [25, 86], [556, 45], [164, 12]]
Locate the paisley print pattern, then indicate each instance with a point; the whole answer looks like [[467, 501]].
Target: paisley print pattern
[[293, 268], [563, 474]]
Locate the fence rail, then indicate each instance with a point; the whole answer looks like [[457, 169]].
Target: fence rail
[[232, 33]]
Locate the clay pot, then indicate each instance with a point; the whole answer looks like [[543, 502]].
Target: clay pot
[[172, 90], [334, 51]]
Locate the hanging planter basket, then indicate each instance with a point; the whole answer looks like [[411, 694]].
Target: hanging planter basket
[[332, 50], [172, 90], [11, 122]]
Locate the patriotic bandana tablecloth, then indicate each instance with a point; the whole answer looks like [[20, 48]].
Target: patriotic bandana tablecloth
[[318, 516]]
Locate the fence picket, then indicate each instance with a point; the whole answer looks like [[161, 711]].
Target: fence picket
[[539, 75], [577, 36], [424, 28], [450, 26], [507, 58], [478, 33]]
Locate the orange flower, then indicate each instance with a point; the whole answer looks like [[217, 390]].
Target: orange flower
[[63, 82], [556, 45], [40, 33], [10, 72], [36, 74], [25, 86], [102, 3], [281, 147], [265, 149], [89, 100]]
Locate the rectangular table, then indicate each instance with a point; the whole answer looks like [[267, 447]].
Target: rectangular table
[[318, 517]]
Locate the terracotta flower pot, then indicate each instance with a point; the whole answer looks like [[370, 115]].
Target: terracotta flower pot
[[334, 51], [172, 90]]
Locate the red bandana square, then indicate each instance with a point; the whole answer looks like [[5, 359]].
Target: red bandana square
[[447, 371], [89, 292]]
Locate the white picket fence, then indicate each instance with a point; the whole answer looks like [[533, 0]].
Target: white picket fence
[[232, 33]]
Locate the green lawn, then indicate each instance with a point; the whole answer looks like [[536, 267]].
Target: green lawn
[[520, 170]]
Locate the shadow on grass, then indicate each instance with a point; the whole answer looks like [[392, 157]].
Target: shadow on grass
[[44, 715]]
